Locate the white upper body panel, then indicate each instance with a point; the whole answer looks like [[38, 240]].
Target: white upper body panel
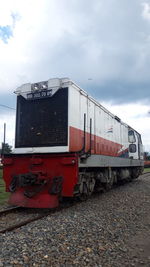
[[104, 123], [30, 150]]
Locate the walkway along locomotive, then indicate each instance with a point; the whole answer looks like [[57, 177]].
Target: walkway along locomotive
[[66, 145]]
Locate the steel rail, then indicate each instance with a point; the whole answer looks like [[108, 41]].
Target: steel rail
[[145, 173], [9, 210], [18, 225], [38, 217]]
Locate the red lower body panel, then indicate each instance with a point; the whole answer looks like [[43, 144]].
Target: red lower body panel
[[100, 145], [39, 201], [40, 180]]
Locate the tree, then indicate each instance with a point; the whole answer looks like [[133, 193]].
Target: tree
[[6, 149]]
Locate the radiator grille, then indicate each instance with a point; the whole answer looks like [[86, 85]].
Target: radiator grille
[[42, 122]]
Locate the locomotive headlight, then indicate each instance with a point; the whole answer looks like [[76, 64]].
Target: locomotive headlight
[[39, 86], [44, 86], [34, 87]]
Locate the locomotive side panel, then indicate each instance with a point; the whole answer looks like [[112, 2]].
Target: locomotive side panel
[[105, 134], [75, 122], [81, 121]]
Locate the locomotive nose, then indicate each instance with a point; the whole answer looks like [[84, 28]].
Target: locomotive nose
[[25, 180], [30, 189], [37, 181]]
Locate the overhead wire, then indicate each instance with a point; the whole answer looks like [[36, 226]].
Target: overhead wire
[[5, 106]]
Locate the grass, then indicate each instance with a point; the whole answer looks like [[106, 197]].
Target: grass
[[3, 195]]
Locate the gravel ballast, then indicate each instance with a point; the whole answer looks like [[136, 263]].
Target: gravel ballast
[[110, 229]]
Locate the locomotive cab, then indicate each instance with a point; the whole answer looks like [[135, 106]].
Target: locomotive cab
[[135, 145]]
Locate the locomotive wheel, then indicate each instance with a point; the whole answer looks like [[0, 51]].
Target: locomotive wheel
[[130, 179], [109, 184], [84, 195]]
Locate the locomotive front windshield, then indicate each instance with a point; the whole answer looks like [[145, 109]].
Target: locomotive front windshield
[[42, 122]]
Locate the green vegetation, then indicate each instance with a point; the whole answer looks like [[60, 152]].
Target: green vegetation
[[146, 170], [6, 148], [3, 195]]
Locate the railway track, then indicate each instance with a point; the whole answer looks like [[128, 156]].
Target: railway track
[[8, 210], [13, 218], [16, 217], [145, 174]]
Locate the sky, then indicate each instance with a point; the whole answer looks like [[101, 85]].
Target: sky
[[102, 45]]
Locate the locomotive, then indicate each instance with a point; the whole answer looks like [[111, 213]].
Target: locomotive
[[66, 145]]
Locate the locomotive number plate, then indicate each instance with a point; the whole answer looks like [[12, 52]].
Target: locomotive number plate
[[39, 94]]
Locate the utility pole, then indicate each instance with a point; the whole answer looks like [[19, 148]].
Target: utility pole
[[4, 140], [4, 134]]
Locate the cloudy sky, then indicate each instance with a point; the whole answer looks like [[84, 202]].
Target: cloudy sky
[[103, 45]]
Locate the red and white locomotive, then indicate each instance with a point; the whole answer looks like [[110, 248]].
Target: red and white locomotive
[[66, 145]]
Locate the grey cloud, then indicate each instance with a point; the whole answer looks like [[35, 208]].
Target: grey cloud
[[119, 92], [107, 40]]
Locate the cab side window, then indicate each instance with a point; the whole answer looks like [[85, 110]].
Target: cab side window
[[131, 136], [132, 148]]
